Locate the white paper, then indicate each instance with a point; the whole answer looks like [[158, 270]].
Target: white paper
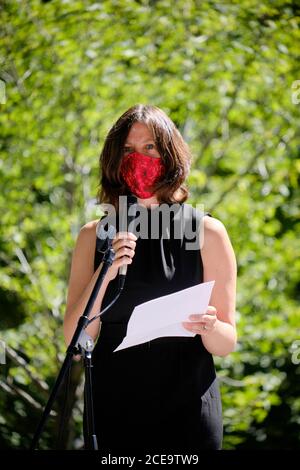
[[163, 316]]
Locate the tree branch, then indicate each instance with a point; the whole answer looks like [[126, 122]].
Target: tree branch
[[13, 390], [14, 356]]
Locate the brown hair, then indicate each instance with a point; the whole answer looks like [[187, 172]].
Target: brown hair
[[173, 149]]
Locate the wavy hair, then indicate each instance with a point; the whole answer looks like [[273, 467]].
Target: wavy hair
[[174, 151]]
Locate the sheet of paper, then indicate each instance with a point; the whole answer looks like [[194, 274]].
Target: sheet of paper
[[163, 316]]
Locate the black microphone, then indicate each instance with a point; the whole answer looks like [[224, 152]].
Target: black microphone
[[104, 237], [127, 215]]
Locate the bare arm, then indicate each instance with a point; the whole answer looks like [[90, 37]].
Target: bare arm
[[217, 326], [81, 282], [219, 263]]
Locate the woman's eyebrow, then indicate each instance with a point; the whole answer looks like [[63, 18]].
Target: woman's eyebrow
[[145, 141]]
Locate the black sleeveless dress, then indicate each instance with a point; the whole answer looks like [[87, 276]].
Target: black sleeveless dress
[[162, 395]]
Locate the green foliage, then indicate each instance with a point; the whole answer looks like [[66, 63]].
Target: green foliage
[[224, 73]]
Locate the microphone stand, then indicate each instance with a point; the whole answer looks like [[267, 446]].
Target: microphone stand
[[81, 344], [87, 346]]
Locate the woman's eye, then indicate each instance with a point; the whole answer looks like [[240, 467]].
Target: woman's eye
[[127, 149], [150, 146]]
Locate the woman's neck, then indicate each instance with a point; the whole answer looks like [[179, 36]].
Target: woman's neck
[[150, 201]]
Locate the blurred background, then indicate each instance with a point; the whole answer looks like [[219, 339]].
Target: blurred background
[[227, 73]]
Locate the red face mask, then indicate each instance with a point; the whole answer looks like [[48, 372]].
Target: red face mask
[[140, 172]]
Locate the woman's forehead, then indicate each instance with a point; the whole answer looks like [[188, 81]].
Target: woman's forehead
[[139, 131]]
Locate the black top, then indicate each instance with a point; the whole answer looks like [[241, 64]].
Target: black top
[[160, 266], [162, 394]]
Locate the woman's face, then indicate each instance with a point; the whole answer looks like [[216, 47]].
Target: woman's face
[[140, 139]]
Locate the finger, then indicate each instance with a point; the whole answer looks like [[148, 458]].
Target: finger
[[209, 319], [123, 242], [211, 310], [195, 327], [122, 235], [124, 251], [196, 316], [121, 261]]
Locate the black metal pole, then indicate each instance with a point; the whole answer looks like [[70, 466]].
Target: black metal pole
[[72, 348], [92, 443]]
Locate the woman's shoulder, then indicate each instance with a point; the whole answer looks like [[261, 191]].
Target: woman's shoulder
[[87, 233], [83, 257], [89, 227], [213, 231], [213, 226], [216, 238]]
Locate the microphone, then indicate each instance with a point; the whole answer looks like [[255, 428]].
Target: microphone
[[104, 238], [127, 217]]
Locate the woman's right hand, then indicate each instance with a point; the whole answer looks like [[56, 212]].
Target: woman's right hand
[[124, 247]]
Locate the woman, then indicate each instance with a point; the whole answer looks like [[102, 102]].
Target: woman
[[161, 395]]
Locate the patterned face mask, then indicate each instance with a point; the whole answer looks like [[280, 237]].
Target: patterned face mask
[[140, 172]]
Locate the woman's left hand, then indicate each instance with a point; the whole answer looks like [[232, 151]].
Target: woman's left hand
[[202, 324]]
